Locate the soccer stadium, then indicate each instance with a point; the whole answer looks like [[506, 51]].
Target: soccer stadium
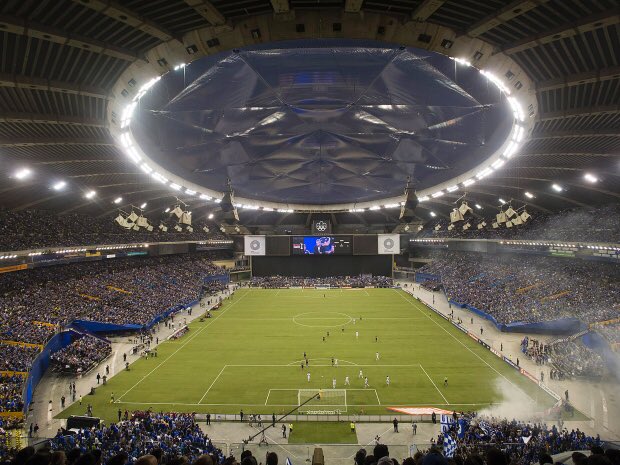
[[326, 232]]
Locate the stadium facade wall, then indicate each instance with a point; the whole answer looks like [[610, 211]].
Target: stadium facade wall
[[322, 266]]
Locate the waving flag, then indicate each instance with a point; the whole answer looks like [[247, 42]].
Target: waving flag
[[449, 446]]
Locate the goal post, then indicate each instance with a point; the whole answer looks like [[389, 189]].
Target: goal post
[[323, 402]]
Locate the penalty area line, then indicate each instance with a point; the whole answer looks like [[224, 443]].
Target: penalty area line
[[216, 378], [431, 380]]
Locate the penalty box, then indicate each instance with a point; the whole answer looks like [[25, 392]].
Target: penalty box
[[331, 400]]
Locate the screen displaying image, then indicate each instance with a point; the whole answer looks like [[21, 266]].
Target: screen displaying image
[[322, 245]]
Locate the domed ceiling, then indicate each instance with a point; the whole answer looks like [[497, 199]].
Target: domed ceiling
[[321, 125]]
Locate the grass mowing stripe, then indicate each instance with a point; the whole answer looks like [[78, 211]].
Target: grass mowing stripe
[[461, 342], [190, 339]]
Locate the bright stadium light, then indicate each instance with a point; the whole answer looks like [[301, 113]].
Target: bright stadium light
[[529, 195], [118, 200], [210, 216], [60, 185], [557, 187], [478, 206], [502, 201], [22, 174], [433, 214], [590, 178], [90, 194], [143, 206]]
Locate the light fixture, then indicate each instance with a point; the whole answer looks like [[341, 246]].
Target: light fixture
[[167, 210], [590, 178], [502, 201], [143, 206], [529, 195], [433, 214], [557, 187], [118, 200], [90, 194], [22, 174], [210, 216], [478, 206], [60, 185]]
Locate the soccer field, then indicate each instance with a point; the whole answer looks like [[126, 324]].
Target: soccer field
[[248, 357]]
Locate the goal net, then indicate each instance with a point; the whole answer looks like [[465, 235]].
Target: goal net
[[324, 401]]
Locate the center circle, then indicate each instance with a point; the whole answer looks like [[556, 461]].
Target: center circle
[[322, 319]]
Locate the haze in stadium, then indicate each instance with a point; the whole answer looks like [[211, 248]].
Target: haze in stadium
[[286, 231]]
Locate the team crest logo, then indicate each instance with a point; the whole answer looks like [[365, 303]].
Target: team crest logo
[[321, 226], [255, 245], [388, 244]]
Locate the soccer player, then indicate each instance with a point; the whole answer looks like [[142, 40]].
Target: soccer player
[[376, 339], [361, 375], [387, 380], [346, 381], [336, 363], [377, 356], [332, 361], [333, 383], [302, 366], [445, 381], [366, 382], [308, 376], [357, 334]]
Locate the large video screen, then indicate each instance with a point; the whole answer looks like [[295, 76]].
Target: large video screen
[[322, 245]]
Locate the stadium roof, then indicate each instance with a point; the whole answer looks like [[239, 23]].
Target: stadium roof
[[69, 67]]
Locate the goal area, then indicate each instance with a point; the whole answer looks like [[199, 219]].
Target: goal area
[[323, 401]]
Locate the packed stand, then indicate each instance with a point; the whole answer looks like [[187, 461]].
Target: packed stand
[[82, 354], [16, 357], [520, 442], [571, 359], [172, 435], [30, 229], [274, 282], [122, 291], [610, 332], [518, 288], [11, 393], [574, 225]]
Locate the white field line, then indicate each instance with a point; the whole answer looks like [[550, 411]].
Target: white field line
[[190, 339], [431, 380], [377, 394], [427, 404], [460, 342], [216, 378]]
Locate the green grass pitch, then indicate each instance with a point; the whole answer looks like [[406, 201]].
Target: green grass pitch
[[248, 357]]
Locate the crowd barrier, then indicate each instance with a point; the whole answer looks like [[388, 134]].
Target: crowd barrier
[[42, 361], [561, 326]]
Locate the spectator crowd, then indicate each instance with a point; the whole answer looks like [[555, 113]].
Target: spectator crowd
[[147, 438], [273, 282], [516, 442], [32, 229], [82, 354], [518, 288], [572, 359]]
